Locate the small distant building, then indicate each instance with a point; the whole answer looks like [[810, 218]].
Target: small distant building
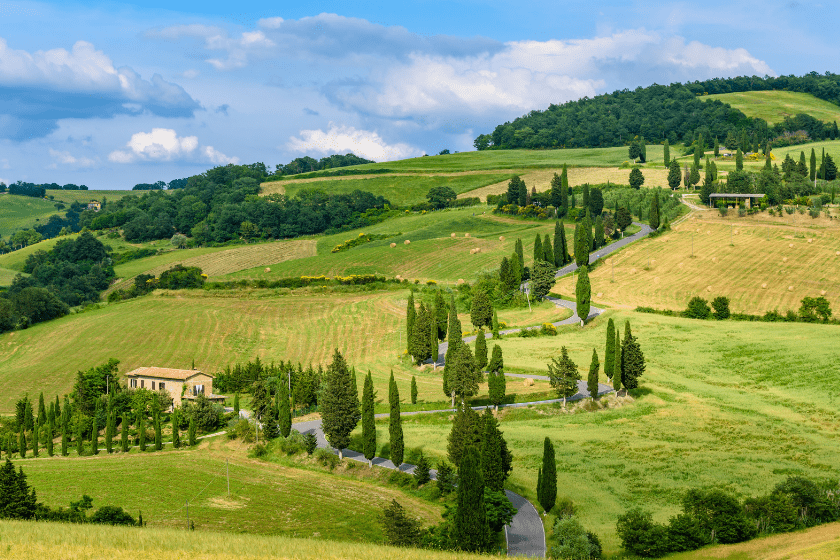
[[734, 199], [182, 384], [94, 205]]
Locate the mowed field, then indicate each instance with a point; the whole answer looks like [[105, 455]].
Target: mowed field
[[774, 106], [400, 190], [760, 263], [265, 498], [37, 541], [23, 212], [431, 254], [818, 543], [84, 197], [724, 404]]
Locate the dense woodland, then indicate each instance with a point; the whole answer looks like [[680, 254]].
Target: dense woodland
[[657, 112]]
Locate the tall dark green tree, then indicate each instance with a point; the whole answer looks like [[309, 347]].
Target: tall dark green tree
[[513, 190], [632, 359], [555, 191], [176, 429], [22, 443], [548, 250], [616, 378], [94, 437], [464, 375], [481, 310], [50, 434], [495, 325], [395, 430], [520, 252], [581, 247], [547, 493], [739, 160], [123, 434], [158, 432], [583, 294], [492, 463], [413, 390], [236, 404], [480, 350], [368, 421], [42, 410], [523, 193], [411, 317], [563, 375], [109, 433], [441, 315], [674, 175], [467, 430], [538, 250], [636, 178], [717, 147], [284, 409], [564, 191], [453, 342], [421, 339], [609, 353], [698, 153], [141, 428], [654, 210], [666, 150], [339, 406], [813, 171], [470, 528], [600, 240], [559, 245], [191, 439], [592, 380]]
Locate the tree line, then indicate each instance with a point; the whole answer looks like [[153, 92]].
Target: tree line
[[659, 112]]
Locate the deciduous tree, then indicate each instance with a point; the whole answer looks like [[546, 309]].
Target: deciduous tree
[[481, 311], [563, 375], [636, 179]]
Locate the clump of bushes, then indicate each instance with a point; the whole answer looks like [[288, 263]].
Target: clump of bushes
[[361, 240]]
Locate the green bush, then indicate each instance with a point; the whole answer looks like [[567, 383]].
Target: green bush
[[721, 306], [310, 443], [698, 308], [293, 444], [326, 458]]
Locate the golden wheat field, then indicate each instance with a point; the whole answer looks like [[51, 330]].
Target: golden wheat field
[[541, 179], [760, 263]]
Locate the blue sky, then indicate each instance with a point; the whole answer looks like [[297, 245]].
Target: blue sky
[[113, 94]]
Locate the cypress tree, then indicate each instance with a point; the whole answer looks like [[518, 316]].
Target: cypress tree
[[236, 404], [632, 359], [470, 529], [559, 257], [453, 342], [538, 250], [609, 353], [516, 272], [583, 294], [109, 433], [548, 250], [564, 190], [654, 210], [585, 204], [492, 464], [80, 442], [556, 196], [441, 315], [520, 252], [22, 443], [158, 434], [592, 380], [368, 422], [340, 411], [480, 350], [57, 408], [481, 310], [284, 410], [411, 317], [422, 334], [141, 429], [698, 151], [495, 325], [667, 153], [395, 430], [176, 429], [539, 483], [739, 160], [499, 385], [42, 410], [813, 173], [600, 241], [124, 433], [94, 437], [50, 433], [548, 496], [191, 440], [643, 148], [616, 370], [35, 439], [64, 437], [28, 418], [581, 254], [523, 193]]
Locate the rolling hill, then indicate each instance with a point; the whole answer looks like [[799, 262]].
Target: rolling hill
[[774, 105]]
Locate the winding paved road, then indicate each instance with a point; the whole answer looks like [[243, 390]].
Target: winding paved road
[[525, 535]]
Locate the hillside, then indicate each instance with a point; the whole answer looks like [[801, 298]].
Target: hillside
[[774, 106], [23, 212]]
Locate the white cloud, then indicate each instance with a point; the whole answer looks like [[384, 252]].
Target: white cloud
[[343, 139], [66, 158], [164, 144]]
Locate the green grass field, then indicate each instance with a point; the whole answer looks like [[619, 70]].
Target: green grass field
[[400, 190], [84, 197], [23, 212], [265, 498], [732, 404], [38, 541], [774, 106]]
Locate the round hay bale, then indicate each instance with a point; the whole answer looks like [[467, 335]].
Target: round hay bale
[[822, 292], [478, 249], [790, 288], [393, 245], [764, 286], [466, 235], [784, 259], [810, 241], [632, 271], [735, 232], [452, 235], [708, 288], [267, 270], [460, 281], [599, 294], [714, 259], [407, 242], [398, 277], [472, 251], [656, 280], [837, 254], [790, 245], [501, 238], [528, 382]]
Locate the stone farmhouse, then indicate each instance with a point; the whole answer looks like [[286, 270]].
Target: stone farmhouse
[[181, 384]]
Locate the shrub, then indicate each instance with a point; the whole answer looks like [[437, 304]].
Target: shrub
[[293, 444], [698, 308], [326, 458], [399, 528], [548, 329], [641, 536], [112, 515], [181, 277], [573, 541], [401, 479], [260, 450], [310, 443], [721, 306]]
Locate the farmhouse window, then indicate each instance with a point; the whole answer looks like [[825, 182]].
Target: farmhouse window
[[198, 390], [153, 385], [161, 385], [142, 383], [133, 383]]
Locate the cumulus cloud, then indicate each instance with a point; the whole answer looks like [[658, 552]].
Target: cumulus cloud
[[66, 158], [42, 87], [343, 139], [164, 144], [529, 75]]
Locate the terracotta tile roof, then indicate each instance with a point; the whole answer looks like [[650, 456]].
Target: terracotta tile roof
[[166, 373]]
